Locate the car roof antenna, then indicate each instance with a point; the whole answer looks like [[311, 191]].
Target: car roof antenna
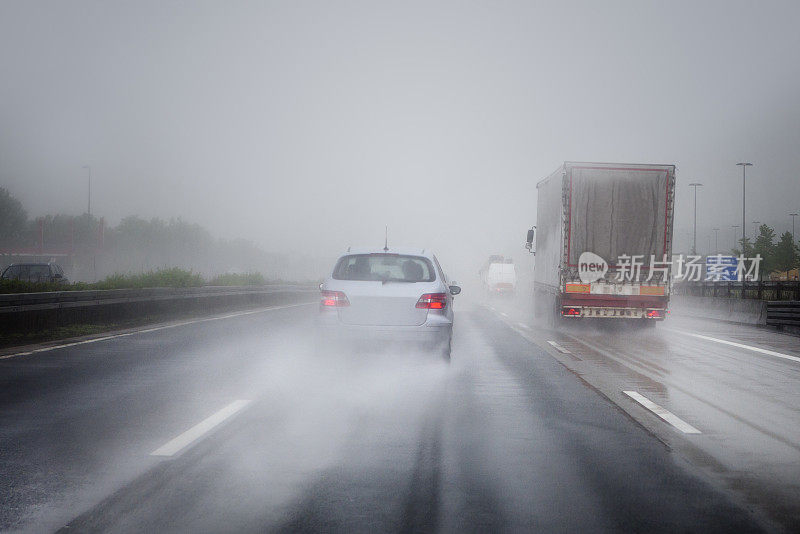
[[386, 240]]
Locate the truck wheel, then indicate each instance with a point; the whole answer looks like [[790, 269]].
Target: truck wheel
[[556, 321]]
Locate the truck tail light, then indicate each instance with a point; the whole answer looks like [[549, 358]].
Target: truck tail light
[[334, 298], [572, 312], [432, 301], [655, 314]]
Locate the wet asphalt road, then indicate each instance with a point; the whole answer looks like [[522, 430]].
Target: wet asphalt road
[[511, 436]]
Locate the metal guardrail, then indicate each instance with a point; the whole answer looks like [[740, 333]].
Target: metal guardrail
[[760, 290], [19, 302], [22, 313], [782, 313]]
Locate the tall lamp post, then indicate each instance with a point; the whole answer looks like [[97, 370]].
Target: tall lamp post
[[716, 240], [694, 239], [793, 216], [735, 226], [744, 166], [89, 208]]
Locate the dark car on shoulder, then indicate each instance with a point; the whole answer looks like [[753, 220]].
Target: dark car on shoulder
[[34, 272]]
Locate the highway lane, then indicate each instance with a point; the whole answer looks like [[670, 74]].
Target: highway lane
[[505, 438], [77, 422], [738, 385]]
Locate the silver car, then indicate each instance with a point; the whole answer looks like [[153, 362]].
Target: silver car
[[388, 295]]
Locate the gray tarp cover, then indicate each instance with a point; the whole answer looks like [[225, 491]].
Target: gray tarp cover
[[615, 212]]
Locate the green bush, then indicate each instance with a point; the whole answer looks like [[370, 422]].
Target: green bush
[[238, 279], [173, 277], [17, 286]]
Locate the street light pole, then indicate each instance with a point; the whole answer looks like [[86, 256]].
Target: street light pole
[[716, 240], [89, 208], [744, 166], [793, 216], [694, 240], [735, 226]]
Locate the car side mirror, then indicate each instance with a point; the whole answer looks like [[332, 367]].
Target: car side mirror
[[455, 290]]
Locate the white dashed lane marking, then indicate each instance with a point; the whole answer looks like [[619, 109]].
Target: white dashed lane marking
[[559, 348], [663, 413], [205, 426]]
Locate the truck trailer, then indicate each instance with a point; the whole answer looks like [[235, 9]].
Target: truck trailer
[[603, 242]]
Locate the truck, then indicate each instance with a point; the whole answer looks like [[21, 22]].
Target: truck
[[603, 242], [498, 275]]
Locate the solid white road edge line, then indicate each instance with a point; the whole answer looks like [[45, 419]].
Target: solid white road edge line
[[143, 331], [196, 432], [741, 346], [663, 413], [559, 348]]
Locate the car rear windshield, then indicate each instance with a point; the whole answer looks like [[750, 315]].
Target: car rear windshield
[[38, 271], [385, 268]]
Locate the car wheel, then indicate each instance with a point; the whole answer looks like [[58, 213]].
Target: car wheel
[[446, 351]]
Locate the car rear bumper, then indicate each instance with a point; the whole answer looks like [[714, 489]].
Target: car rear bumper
[[429, 334]]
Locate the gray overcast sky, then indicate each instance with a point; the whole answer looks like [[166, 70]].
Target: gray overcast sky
[[307, 126]]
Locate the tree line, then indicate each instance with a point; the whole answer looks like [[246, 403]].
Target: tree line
[[777, 254], [135, 245]]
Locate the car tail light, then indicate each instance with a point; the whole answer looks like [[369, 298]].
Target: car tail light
[[334, 298], [432, 301], [570, 312], [654, 314]]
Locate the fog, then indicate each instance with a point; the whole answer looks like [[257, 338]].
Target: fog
[[228, 137], [307, 127]]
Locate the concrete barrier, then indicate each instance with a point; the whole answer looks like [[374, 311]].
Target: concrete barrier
[[747, 311]]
